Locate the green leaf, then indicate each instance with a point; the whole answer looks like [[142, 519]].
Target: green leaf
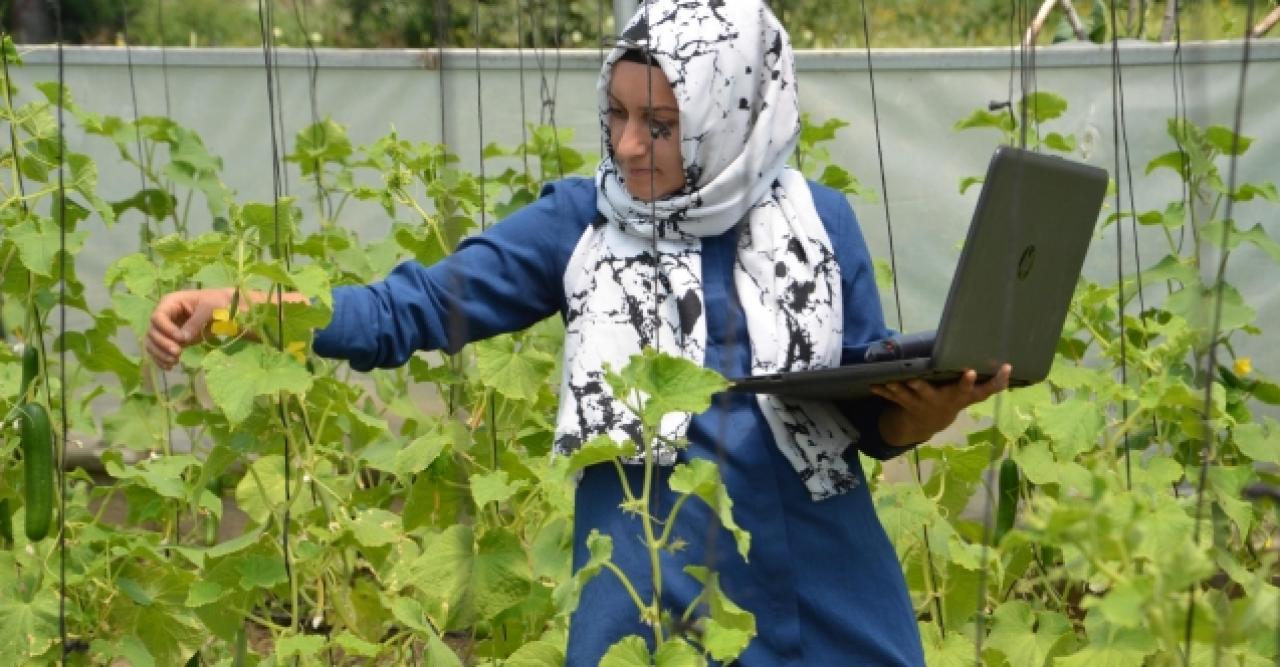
[[1249, 191], [1043, 106], [1260, 444], [669, 384], [258, 571], [38, 241], [677, 653], [536, 654], [236, 378], [485, 578], [1174, 160], [27, 628], [261, 503], [730, 628], [970, 181], [518, 374], [138, 425], [151, 202], [956, 650], [600, 550], [303, 646], [138, 273], [1258, 236], [1109, 646], [323, 142], [1025, 637], [205, 592], [1226, 140], [164, 475], [983, 118], [376, 527], [493, 487], [630, 651], [355, 646], [1194, 303], [501, 577], [1058, 142], [701, 478], [419, 454], [170, 632], [1074, 426], [600, 449]]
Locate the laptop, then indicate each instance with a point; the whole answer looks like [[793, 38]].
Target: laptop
[[1009, 295]]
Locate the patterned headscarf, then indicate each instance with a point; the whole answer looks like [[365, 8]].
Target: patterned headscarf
[[635, 277]]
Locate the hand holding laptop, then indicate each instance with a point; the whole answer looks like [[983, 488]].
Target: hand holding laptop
[[921, 408]]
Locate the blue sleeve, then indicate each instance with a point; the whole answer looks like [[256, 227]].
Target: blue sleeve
[[863, 317], [503, 279]]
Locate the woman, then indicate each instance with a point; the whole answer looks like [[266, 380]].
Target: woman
[[756, 271]]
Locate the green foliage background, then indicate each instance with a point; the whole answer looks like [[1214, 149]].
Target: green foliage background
[[580, 23]]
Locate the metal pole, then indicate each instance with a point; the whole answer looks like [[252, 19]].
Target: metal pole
[[623, 10]]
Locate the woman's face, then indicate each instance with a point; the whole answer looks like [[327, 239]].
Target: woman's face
[[644, 131]]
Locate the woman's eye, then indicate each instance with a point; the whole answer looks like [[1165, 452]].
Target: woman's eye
[[616, 113], [660, 129]]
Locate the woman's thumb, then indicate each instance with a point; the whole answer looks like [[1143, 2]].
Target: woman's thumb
[[194, 326]]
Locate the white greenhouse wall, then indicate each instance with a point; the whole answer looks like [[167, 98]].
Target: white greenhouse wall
[[922, 93]]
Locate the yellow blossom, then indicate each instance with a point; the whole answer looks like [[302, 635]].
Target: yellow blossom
[[296, 349], [222, 324], [1243, 366]]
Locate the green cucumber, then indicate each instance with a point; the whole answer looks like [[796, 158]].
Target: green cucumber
[[30, 369], [37, 459], [6, 525], [1007, 507]]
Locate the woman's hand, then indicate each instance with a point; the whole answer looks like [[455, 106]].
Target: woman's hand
[[180, 320], [920, 409]]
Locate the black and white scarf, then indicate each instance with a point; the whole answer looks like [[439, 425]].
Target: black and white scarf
[[730, 65]]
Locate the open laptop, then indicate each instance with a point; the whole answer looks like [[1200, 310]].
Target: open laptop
[[1010, 293]]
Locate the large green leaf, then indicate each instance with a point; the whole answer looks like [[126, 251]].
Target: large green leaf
[[1074, 425], [465, 577], [677, 653], [235, 377], [668, 384], [38, 241], [156, 612], [28, 627], [1024, 637], [493, 487], [630, 651], [730, 628], [261, 491], [955, 650], [515, 373], [1259, 443], [701, 478]]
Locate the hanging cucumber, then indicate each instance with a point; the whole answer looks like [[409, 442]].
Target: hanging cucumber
[[30, 369], [37, 459], [1007, 507], [6, 525]]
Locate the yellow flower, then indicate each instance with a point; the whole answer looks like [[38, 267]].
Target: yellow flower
[[222, 324], [296, 349], [1243, 366]]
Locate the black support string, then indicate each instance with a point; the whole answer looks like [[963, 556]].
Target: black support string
[[930, 571], [1211, 363], [1117, 121], [62, 349], [266, 25], [318, 132], [484, 219]]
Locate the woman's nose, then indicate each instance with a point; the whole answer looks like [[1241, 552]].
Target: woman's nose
[[633, 141]]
